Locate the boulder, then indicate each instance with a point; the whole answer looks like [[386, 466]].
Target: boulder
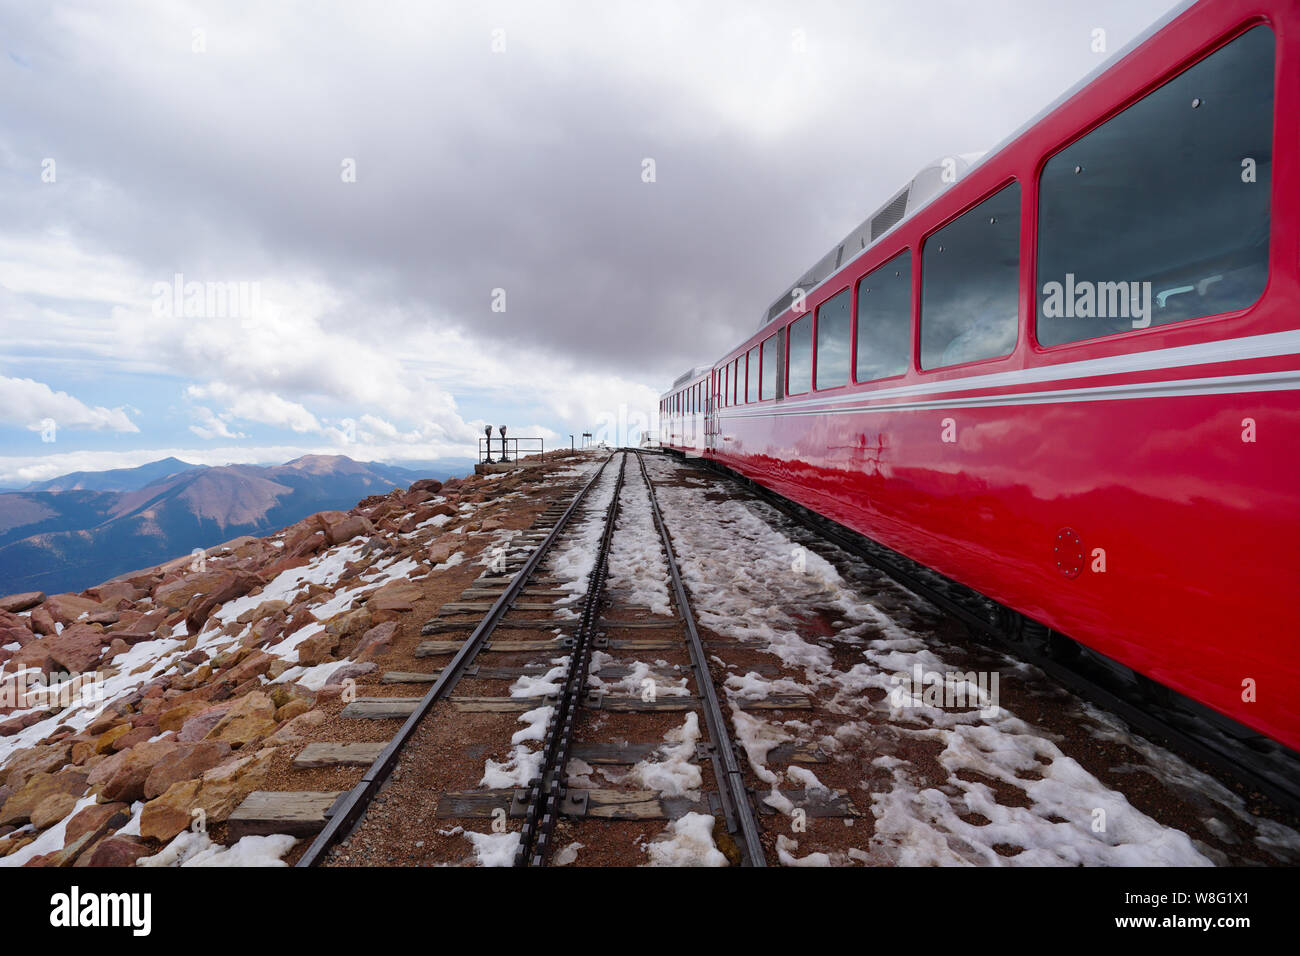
[[345, 527], [216, 793], [19, 807], [426, 484], [43, 758], [297, 730], [377, 640], [127, 783], [200, 725], [89, 819], [292, 709], [141, 628], [317, 649], [186, 762], [14, 603], [395, 596], [21, 636], [178, 593], [52, 809], [115, 851], [249, 719], [42, 621], [348, 623], [235, 585], [263, 610], [115, 591], [66, 608]]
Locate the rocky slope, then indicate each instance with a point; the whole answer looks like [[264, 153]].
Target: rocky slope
[[133, 709]]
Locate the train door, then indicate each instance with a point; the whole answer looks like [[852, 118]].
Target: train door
[[711, 413]]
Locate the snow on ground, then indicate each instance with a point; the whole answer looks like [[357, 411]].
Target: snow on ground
[[189, 848], [571, 561], [688, 841], [637, 569], [752, 582]]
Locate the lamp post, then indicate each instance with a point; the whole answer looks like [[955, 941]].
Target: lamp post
[[487, 430], [503, 443]]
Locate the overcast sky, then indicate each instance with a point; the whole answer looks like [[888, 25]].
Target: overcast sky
[[382, 175]]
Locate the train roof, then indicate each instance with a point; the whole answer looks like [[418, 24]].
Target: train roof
[[935, 178], [696, 372]]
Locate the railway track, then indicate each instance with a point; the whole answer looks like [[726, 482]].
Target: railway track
[[590, 642]]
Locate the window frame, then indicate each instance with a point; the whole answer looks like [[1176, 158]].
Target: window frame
[[1023, 261], [788, 331], [913, 318], [816, 331], [1185, 326]]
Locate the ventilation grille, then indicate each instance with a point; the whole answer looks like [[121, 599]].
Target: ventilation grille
[[889, 216]]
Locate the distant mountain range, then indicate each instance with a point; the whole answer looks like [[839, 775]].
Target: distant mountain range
[[81, 529]]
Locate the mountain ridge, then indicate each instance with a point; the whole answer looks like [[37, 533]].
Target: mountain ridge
[[64, 540]]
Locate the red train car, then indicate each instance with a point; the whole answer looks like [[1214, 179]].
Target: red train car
[[1066, 374]]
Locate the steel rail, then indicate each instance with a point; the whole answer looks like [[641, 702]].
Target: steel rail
[[353, 807], [541, 801], [736, 804]]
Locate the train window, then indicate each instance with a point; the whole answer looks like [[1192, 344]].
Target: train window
[[751, 392], [726, 385], [834, 335], [769, 368], [1162, 213], [885, 320], [970, 271], [799, 361], [740, 380]]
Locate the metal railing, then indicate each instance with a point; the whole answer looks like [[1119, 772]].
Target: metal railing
[[506, 450]]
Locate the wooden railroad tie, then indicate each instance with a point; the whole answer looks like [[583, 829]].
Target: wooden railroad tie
[[298, 813]]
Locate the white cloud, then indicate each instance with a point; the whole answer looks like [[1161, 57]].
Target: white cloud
[[257, 405], [208, 425], [29, 403]]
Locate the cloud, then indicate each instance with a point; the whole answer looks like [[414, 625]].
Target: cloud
[[29, 403], [208, 425], [256, 405]]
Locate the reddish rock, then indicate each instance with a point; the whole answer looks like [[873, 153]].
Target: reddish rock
[[427, 484], [89, 819], [16, 635], [42, 621], [22, 765], [127, 783], [317, 649], [254, 665], [201, 724], [115, 591], [19, 807], [249, 719], [141, 628], [52, 809], [180, 592], [18, 724], [377, 640], [186, 762], [66, 608], [340, 527], [236, 585], [14, 603], [117, 851], [396, 596]]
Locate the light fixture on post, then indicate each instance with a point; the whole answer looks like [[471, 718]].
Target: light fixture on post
[[487, 430], [503, 442]]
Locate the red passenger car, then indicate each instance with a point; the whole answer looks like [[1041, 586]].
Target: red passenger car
[[1066, 373]]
